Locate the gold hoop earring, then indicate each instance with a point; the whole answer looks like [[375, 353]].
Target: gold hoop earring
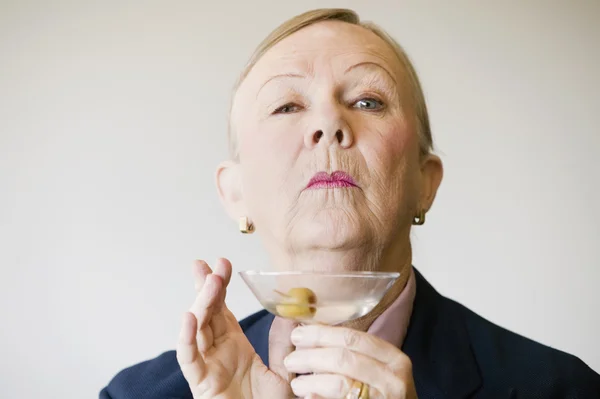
[[419, 219], [246, 227]]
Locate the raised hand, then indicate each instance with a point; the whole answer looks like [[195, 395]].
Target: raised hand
[[215, 356]]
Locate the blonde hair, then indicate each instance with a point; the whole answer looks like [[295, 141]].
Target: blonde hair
[[343, 15]]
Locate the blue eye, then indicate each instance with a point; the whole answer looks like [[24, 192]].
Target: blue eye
[[287, 109], [369, 104]]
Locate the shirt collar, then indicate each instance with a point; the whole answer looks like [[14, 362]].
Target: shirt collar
[[392, 324]]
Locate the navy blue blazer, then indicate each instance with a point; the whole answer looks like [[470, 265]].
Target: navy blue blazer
[[455, 354]]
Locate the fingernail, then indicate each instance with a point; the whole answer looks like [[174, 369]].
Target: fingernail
[[294, 384], [297, 335], [296, 387], [290, 360]]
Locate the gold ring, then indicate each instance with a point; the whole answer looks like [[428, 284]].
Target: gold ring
[[358, 390], [364, 392]]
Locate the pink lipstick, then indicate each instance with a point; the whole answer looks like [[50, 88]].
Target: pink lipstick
[[334, 180]]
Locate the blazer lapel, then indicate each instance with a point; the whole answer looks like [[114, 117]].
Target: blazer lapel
[[437, 343], [258, 334]]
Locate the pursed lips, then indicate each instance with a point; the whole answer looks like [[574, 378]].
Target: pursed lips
[[336, 179]]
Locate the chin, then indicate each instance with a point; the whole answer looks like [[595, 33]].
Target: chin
[[334, 230]]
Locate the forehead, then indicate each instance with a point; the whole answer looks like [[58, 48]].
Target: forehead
[[329, 44]]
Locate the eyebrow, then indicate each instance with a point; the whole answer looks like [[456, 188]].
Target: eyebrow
[[351, 67], [370, 64], [278, 76]]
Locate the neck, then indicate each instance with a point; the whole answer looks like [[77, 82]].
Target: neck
[[400, 261], [396, 257]]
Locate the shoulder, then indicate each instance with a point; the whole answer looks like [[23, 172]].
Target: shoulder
[[530, 368], [161, 377]]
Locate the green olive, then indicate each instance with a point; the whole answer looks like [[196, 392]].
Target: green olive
[[298, 303]]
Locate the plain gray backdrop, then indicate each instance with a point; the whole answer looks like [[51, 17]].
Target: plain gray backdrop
[[113, 119]]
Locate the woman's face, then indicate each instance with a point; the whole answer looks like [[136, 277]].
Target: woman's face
[[328, 149]]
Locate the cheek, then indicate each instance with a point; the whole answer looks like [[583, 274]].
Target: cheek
[[268, 154], [391, 147], [272, 143], [392, 155]]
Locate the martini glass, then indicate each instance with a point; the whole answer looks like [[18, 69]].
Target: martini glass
[[329, 298]]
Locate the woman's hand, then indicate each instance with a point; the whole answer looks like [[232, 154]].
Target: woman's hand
[[215, 356], [338, 356]]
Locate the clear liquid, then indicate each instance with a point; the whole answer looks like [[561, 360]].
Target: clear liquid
[[330, 313]]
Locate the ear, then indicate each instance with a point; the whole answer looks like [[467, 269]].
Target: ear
[[229, 186], [432, 172]]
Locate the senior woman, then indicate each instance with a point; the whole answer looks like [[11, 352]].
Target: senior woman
[[328, 96]]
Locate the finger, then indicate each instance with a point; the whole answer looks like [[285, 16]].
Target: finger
[[322, 385], [280, 346], [207, 299], [223, 269], [200, 270], [313, 396], [345, 362], [203, 309], [191, 363], [357, 341]]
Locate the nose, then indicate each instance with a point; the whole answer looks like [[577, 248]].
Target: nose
[[334, 133]]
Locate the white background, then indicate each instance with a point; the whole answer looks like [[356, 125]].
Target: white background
[[113, 118]]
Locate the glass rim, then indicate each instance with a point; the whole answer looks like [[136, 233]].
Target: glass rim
[[347, 274]]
